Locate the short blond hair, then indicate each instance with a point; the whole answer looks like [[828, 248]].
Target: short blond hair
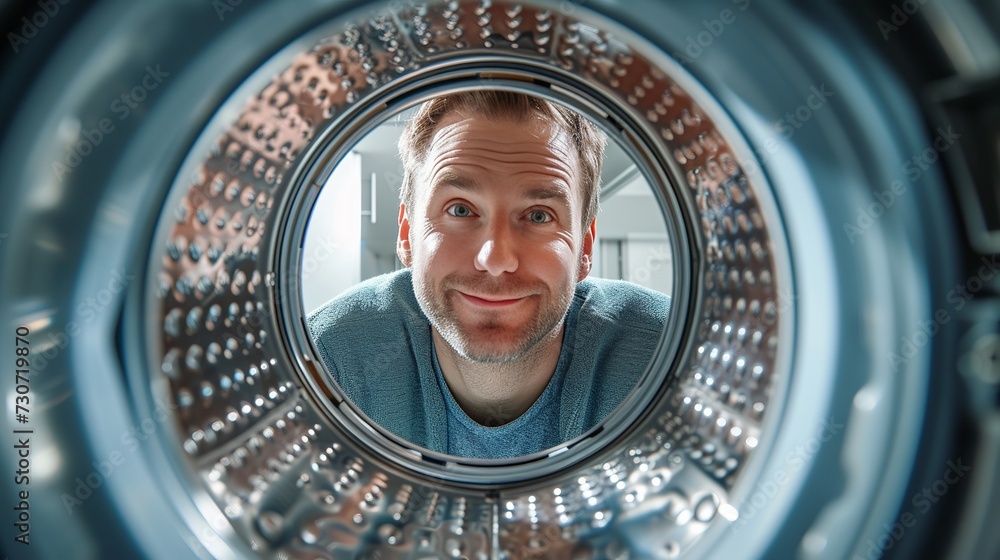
[[588, 139]]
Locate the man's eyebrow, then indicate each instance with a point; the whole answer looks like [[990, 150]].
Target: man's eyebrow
[[457, 180], [548, 192]]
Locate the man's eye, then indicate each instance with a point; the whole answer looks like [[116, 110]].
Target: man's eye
[[539, 216], [459, 210]]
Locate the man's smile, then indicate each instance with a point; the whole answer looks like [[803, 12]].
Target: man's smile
[[491, 301]]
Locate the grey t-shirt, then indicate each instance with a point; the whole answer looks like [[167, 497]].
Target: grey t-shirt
[[377, 345]]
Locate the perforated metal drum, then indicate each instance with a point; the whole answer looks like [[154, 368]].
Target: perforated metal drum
[[257, 422]]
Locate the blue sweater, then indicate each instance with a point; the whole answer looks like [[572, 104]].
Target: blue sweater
[[376, 343]]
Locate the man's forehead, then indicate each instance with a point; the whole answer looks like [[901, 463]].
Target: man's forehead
[[474, 168], [511, 140], [461, 120]]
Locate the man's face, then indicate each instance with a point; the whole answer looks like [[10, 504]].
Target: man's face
[[495, 239]]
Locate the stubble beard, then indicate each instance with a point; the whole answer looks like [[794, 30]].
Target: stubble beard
[[471, 341]]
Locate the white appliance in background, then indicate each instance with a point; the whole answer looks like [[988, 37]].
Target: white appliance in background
[[331, 258], [644, 259]]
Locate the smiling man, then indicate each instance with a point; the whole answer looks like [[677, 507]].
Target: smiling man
[[492, 342]]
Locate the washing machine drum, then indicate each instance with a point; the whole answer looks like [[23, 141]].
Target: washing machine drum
[[161, 170]]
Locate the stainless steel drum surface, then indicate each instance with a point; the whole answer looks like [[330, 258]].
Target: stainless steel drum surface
[[812, 383]]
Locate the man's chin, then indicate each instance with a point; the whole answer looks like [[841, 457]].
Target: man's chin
[[490, 353]]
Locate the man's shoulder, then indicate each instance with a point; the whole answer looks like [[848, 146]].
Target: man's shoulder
[[385, 294], [621, 302], [617, 330]]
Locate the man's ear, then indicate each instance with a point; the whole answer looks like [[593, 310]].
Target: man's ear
[[587, 250], [403, 241]]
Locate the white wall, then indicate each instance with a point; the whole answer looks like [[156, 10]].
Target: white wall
[[331, 260], [630, 228]]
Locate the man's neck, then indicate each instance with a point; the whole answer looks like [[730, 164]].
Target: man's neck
[[495, 394]]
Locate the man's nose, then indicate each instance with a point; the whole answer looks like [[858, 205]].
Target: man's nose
[[498, 252]]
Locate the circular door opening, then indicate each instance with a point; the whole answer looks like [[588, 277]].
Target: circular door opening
[[277, 445]]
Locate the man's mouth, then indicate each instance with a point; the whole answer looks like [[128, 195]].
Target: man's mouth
[[484, 300]]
